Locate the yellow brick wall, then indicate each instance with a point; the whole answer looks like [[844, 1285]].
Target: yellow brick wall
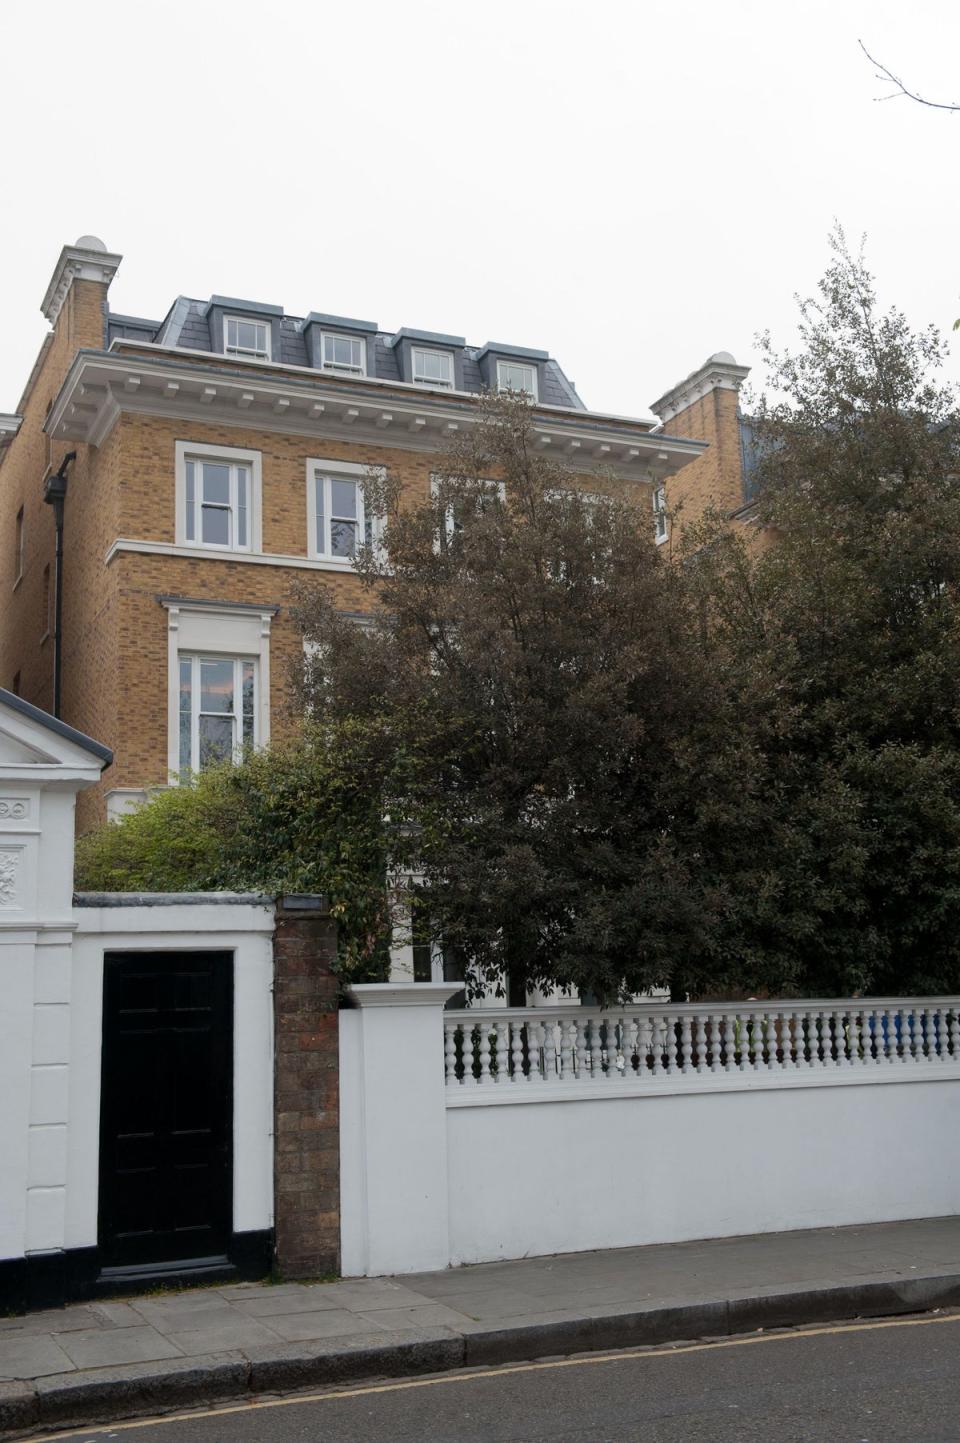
[[714, 479], [116, 639], [23, 648]]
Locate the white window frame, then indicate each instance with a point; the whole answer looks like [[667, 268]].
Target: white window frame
[[216, 632], [335, 367], [449, 520], [196, 661], [661, 528], [252, 352], [416, 351], [224, 456], [527, 366], [332, 470]]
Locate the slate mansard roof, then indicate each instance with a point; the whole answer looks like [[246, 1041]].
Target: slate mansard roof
[[193, 325]]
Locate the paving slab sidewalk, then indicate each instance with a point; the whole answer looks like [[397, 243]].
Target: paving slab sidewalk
[[99, 1361]]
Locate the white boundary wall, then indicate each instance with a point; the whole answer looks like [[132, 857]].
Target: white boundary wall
[[437, 1172], [51, 992]]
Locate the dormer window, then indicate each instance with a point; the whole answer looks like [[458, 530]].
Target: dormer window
[[432, 368], [343, 353], [514, 376], [243, 337]]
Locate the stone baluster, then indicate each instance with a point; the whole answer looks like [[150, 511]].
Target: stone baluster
[[450, 1051], [596, 1050], [568, 1049], [664, 1051], [808, 1039], [700, 1040], [954, 1033], [904, 1034], [610, 1030], [888, 1030], [484, 1052], [516, 1037], [645, 1046], [685, 1043], [817, 1048], [631, 1049], [728, 1022], [503, 1052], [741, 1031], [715, 1042], [865, 1054]]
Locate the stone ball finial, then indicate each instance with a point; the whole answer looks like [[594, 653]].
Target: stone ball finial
[[90, 243], [723, 356]]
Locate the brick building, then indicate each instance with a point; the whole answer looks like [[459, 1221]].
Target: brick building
[[202, 462]]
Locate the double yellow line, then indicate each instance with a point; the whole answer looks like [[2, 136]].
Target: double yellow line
[[447, 1380]]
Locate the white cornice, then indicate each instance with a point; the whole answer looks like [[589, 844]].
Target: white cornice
[[718, 373], [101, 386], [126, 345], [9, 426], [77, 263]]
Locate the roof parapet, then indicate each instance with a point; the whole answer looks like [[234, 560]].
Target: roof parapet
[[88, 260], [719, 372]]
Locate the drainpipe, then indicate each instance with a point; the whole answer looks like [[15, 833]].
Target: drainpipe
[[55, 493]]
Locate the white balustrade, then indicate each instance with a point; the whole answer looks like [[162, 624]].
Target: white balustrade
[[643, 1046]]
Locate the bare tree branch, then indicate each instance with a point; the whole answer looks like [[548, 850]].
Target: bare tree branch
[[884, 74]]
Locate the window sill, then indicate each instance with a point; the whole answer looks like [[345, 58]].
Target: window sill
[[662, 540], [209, 553], [17, 582]]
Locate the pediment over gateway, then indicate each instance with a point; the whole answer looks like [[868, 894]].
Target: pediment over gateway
[[31, 738], [17, 752]]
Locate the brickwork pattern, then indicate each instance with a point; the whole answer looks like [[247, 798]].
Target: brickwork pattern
[[25, 645], [307, 1094], [116, 636], [714, 479]]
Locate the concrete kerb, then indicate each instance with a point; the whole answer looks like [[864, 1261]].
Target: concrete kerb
[[105, 1395]]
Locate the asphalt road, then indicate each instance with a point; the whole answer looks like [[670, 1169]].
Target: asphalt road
[[896, 1382]]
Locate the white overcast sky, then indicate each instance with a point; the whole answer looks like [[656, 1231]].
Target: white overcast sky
[[630, 186]]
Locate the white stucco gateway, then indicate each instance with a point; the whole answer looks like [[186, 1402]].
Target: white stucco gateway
[[100, 997]]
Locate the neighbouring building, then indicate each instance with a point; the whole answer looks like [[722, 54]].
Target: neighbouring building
[[193, 467]]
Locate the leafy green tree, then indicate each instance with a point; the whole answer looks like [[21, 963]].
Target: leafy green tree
[[565, 778], [304, 816], [848, 622]]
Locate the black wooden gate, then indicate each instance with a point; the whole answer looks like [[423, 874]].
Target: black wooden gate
[[166, 1108]]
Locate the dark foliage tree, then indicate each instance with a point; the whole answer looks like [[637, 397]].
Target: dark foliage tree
[[848, 620], [565, 774]]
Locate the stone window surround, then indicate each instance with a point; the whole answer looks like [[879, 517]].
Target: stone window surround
[[338, 470], [217, 629], [235, 455]]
